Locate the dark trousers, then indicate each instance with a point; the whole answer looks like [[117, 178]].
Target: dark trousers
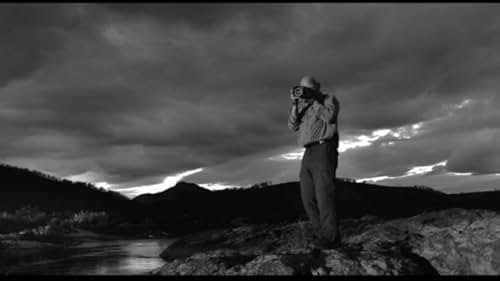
[[317, 187]]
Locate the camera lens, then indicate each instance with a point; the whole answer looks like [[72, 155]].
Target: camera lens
[[297, 91]]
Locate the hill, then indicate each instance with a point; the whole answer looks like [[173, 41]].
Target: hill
[[181, 191], [21, 187], [188, 207]]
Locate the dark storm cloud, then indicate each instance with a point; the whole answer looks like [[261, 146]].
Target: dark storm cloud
[[467, 137], [135, 92], [480, 154], [200, 15], [28, 34], [470, 136]]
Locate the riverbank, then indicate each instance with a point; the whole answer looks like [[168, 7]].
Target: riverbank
[[18, 247], [29, 234], [91, 257]]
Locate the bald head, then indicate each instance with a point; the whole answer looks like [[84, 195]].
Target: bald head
[[310, 82]]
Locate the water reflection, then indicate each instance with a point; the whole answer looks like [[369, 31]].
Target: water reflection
[[123, 257]]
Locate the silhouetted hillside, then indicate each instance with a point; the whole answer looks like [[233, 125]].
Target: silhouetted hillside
[[199, 208], [188, 207], [182, 191], [476, 200], [22, 187]]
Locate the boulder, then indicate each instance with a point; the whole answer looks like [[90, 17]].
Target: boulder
[[449, 242]]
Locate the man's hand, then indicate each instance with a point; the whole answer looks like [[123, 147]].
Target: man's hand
[[298, 110], [306, 102], [326, 109], [293, 97], [302, 105], [316, 104]]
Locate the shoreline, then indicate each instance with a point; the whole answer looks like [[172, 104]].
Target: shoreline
[[17, 253]]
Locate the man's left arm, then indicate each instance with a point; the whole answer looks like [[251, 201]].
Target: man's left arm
[[328, 110]]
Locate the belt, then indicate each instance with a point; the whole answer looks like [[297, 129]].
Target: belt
[[315, 143]]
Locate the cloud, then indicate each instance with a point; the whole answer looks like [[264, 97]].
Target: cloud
[[449, 182], [415, 171], [132, 93], [168, 182]]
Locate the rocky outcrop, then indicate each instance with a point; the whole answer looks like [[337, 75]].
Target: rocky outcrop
[[459, 241], [449, 242]]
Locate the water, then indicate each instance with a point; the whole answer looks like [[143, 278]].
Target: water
[[121, 257]]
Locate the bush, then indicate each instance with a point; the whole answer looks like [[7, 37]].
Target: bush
[[31, 222], [89, 220], [26, 217]]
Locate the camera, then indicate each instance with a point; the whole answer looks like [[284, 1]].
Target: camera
[[304, 92]]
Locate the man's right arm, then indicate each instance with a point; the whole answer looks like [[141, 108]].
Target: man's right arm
[[293, 118], [296, 114]]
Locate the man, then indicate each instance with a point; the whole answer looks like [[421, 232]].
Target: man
[[314, 116]]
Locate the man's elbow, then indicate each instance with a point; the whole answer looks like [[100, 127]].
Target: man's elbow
[[331, 116], [332, 119]]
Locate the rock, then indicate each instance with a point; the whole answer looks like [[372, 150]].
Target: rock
[[459, 241], [449, 242]]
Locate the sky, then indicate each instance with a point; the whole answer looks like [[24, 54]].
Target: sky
[[136, 97]]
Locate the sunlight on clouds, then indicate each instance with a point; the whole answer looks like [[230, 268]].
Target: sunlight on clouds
[[463, 174], [216, 186], [382, 137], [407, 132], [415, 171], [464, 103], [362, 140], [452, 109], [168, 182], [404, 132], [92, 178], [375, 179], [416, 126], [104, 185], [418, 170], [293, 155], [172, 180], [88, 176]]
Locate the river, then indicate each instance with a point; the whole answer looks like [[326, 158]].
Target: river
[[120, 257]]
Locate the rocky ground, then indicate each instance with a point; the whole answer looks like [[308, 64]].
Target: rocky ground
[[450, 242]]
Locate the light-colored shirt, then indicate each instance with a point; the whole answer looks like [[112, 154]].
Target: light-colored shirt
[[315, 121]]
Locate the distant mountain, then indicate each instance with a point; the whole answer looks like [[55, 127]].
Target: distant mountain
[[187, 206], [21, 187], [182, 191]]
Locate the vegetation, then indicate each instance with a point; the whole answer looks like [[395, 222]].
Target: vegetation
[[196, 208], [30, 223], [24, 187], [261, 185], [188, 207]]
